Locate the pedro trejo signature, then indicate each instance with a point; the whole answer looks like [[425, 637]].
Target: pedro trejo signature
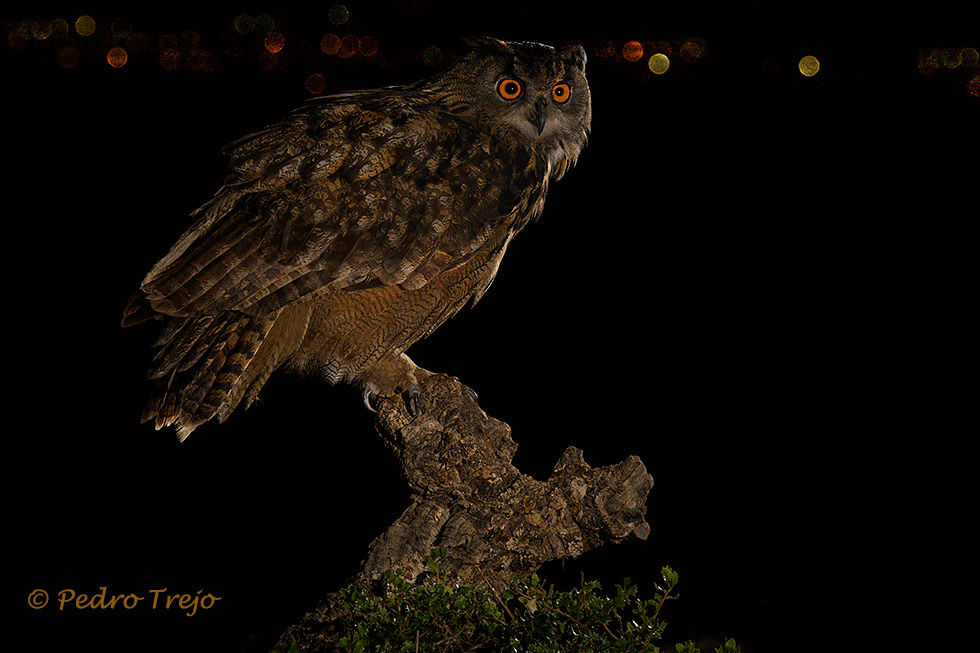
[[155, 599]]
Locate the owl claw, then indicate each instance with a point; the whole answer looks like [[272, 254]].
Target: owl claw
[[414, 396], [369, 394], [475, 397]]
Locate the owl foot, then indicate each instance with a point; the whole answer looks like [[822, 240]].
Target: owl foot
[[393, 377], [369, 396]]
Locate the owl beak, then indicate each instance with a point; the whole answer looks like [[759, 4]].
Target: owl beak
[[538, 115]]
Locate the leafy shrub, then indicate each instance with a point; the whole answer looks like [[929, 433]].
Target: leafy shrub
[[528, 617]]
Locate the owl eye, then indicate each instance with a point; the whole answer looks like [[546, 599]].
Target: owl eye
[[509, 89], [561, 93]]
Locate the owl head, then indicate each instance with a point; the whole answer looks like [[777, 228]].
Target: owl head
[[536, 91]]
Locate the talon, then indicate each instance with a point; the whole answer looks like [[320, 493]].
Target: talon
[[368, 395], [475, 397], [414, 395]]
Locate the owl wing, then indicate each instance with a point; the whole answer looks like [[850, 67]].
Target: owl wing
[[352, 193]]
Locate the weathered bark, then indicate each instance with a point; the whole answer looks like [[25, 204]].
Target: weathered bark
[[497, 523]]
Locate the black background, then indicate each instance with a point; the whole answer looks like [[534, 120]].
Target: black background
[[762, 284]]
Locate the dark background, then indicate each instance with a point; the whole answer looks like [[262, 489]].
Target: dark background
[[763, 284]]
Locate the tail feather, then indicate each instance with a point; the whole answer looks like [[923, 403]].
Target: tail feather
[[204, 363], [221, 398], [206, 372], [178, 345], [207, 345], [154, 409]]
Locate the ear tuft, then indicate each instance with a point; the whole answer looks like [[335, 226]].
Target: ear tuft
[[576, 55], [486, 43]]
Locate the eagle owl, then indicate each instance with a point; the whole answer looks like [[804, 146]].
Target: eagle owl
[[356, 226]]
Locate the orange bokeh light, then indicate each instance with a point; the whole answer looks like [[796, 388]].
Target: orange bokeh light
[[632, 51], [348, 45], [973, 87], [274, 42], [169, 59], [605, 50], [369, 46], [692, 50], [68, 57], [330, 44], [315, 84], [117, 57]]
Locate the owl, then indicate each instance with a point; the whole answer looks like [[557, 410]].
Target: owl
[[356, 226]]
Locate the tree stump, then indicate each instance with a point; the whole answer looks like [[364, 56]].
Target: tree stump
[[497, 523]]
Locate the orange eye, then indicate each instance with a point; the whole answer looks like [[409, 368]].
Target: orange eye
[[509, 89], [561, 93]]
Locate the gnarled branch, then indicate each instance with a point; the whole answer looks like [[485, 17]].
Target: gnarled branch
[[497, 523]]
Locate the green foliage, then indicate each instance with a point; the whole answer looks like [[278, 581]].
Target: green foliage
[[528, 617], [728, 647]]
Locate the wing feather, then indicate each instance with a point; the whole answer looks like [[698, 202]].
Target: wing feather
[[335, 197]]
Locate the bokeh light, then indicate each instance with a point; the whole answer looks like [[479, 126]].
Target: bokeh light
[[952, 57], [338, 14], [210, 62], [605, 50], [41, 29], [432, 56], [927, 60], [692, 50], [348, 46], [632, 51], [201, 60], [973, 87], [315, 84], [117, 57], [244, 24], [274, 42], [265, 23], [970, 57], [120, 28], [169, 59], [194, 59], [59, 28], [189, 40], [17, 37], [118, 40], [67, 57], [330, 44], [168, 41], [137, 42], [369, 46], [268, 61], [659, 63], [930, 62], [85, 25], [809, 66]]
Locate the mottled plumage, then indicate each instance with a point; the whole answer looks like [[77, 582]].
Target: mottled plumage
[[358, 225]]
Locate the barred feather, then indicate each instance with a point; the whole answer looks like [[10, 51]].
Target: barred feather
[[201, 380], [355, 226]]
